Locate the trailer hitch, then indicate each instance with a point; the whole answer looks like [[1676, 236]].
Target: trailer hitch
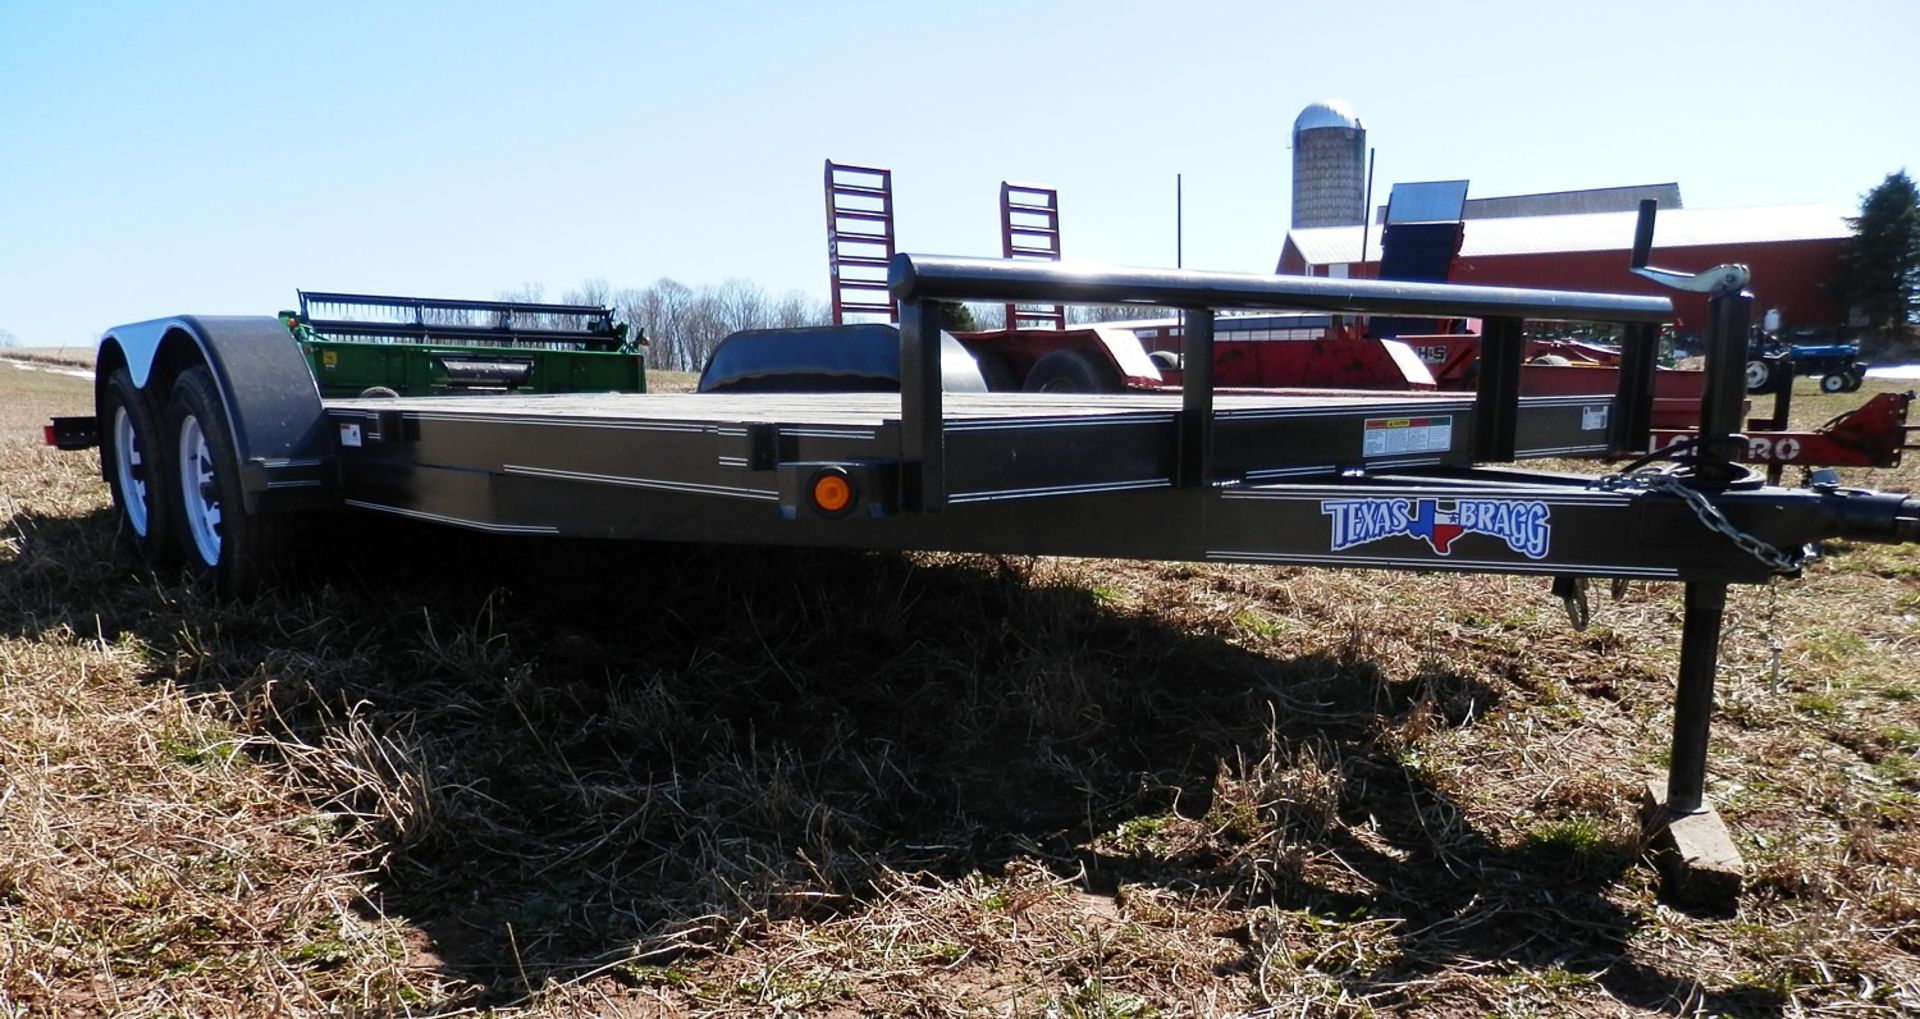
[[1861, 514]]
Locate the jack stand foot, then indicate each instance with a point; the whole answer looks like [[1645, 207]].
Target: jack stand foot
[[1699, 867]]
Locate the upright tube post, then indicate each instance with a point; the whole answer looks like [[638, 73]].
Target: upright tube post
[[922, 423], [1728, 318], [1196, 398], [1629, 429], [1706, 604], [1496, 401]]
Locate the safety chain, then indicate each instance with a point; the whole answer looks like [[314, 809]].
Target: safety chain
[[1653, 479]]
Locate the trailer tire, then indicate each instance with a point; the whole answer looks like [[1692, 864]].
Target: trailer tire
[[139, 472], [217, 536], [1834, 382], [1072, 371], [1759, 373]]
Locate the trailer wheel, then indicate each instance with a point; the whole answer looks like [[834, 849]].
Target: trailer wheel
[[1072, 371], [1834, 382], [1759, 373], [134, 456], [218, 536]]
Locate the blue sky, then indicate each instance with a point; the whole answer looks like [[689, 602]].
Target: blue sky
[[159, 158]]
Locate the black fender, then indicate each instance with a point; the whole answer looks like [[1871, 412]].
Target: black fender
[[863, 357], [273, 406]]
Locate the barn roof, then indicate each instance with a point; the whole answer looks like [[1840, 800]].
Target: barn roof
[[1600, 231]]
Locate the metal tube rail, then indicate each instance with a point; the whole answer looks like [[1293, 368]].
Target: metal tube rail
[[948, 278], [916, 280]]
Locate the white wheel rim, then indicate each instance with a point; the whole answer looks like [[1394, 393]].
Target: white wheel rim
[[130, 471], [199, 494], [1756, 374]]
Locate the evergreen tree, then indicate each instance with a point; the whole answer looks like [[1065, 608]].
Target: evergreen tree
[[956, 317], [1879, 270]]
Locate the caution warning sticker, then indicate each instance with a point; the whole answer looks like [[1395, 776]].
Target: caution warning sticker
[[1398, 436]]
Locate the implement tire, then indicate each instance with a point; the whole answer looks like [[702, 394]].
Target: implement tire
[[996, 373], [217, 536], [133, 454], [1072, 371]]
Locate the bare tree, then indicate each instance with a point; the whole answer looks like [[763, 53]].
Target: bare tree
[[1085, 314], [684, 325], [7, 339], [705, 327], [596, 292], [662, 310], [742, 305], [797, 309], [994, 316], [525, 293]]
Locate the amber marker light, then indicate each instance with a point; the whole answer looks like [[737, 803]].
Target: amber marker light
[[832, 491]]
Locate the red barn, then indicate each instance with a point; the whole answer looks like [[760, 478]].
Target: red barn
[[1791, 249]]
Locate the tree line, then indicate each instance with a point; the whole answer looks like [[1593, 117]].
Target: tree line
[[684, 324]]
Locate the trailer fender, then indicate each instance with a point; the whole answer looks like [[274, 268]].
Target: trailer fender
[[864, 357], [273, 407]]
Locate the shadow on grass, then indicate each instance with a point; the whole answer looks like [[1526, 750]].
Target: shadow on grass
[[570, 753]]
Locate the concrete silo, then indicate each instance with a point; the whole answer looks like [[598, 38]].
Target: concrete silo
[[1329, 166]]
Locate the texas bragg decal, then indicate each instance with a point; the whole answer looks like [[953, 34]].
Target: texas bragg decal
[[1522, 524]]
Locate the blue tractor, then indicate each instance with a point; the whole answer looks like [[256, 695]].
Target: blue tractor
[[1838, 365]]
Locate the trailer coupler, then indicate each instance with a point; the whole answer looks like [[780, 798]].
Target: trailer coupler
[[1862, 515]]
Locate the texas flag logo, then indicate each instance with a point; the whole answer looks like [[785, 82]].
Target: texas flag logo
[[1523, 524], [1439, 527]]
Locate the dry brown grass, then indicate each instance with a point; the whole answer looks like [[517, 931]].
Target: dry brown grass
[[556, 779]]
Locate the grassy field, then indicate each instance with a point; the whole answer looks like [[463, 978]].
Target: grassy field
[[455, 774]]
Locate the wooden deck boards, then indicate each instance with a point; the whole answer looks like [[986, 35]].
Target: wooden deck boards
[[871, 409]]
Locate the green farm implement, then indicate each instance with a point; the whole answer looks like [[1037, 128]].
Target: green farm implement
[[368, 345]]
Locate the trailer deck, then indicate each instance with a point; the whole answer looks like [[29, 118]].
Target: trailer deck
[[1312, 478], [1262, 434]]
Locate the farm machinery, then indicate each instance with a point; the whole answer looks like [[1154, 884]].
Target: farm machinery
[[1774, 366], [1038, 351], [371, 345]]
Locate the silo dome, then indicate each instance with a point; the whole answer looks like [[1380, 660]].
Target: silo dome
[[1329, 166], [1328, 113]]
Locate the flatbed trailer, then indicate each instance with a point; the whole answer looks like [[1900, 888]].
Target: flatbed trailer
[[214, 434]]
